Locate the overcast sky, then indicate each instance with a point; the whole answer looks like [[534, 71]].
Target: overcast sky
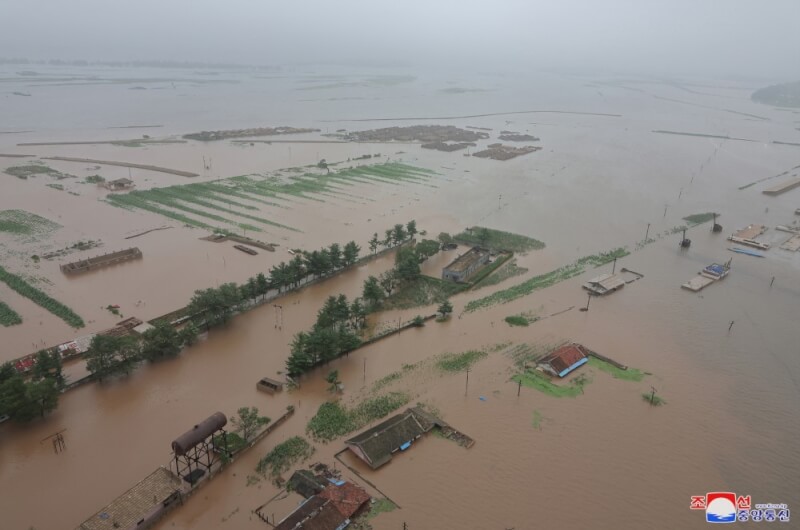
[[714, 37]]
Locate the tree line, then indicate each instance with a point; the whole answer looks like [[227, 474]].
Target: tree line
[[24, 399], [339, 321]]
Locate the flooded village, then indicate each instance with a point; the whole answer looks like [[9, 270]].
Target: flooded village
[[468, 313]]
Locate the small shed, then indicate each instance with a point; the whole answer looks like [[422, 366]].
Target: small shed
[[464, 266], [604, 284], [375, 446], [565, 359], [270, 386]]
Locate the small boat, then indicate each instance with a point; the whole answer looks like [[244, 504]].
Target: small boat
[[747, 252]]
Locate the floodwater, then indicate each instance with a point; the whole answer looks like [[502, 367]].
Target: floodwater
[[604, 459]]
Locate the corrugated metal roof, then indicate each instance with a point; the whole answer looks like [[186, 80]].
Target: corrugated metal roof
[[565, 358], [347, 498]]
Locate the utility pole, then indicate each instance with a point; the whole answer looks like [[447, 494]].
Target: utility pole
[[614, 267], [278, 316], [647, 232], [652, 394], [467, 387], [587, 303], [665, 210], [365, 369], [519, 386]]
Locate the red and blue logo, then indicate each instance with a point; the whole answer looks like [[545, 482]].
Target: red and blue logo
[[727, 507]]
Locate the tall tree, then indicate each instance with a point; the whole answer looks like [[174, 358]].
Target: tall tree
[[351, 251], [252, 288], [109, 356], [297, 270], [372, 294], [160, 342], [407, 264], [247, 422], [48, 366], [358, 314], [389, 240], [188, 335], [262, 285], [411, 228], [336, 255], [399, 234], [445, 308], [333, 380], [374, 243], [43, 396]]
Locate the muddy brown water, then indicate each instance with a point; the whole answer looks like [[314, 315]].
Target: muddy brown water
[[730, 422]]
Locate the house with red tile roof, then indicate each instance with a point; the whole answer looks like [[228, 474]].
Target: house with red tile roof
[[564, 359]]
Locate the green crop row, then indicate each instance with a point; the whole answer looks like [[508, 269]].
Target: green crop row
[[546, 280], [8, 317], [40, 298]]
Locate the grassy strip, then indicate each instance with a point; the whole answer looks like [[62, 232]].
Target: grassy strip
[[333, 420], [128, 202], [497, 239], [38, 297], [8, 317], [631, 374], [457, 362], [424, 290], [517, 320], [537, 420], [546, 280], [534, 379], [502, 274], [699, 218], [284, 455], [656, 401]]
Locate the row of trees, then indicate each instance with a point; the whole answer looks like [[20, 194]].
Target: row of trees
[[109, 355], [393, 236], [334, 333], [23, 400]]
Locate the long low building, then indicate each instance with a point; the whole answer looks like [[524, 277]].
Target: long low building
[[464, 266], [604, 284], [375, 446]]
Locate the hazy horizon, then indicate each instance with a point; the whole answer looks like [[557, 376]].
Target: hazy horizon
[[740, 38]]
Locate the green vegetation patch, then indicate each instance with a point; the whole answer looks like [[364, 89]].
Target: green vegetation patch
[[421, 291], [284, 455], [546, 280], [542, 383], [380, 506], [235, 442], [29, 170], [8, 317], [333, 420], [502, 273], [22, 223], [699, 218], [537, 420], [498, 240], [654, 400], [457, 362], [485, 272], [38, 297], [517, 320], [631, 374]]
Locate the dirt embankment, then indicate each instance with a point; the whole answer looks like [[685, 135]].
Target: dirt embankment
[[417, 133], [210, 136], [505, 152]]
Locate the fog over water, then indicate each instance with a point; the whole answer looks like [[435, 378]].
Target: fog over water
[[745, 38]]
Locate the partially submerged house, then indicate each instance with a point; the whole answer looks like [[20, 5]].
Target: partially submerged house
[[315, 513], [563, 360], [604, 284], [122, 184], [464, 266], [331, 508], [305, 483], [375, 446]]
